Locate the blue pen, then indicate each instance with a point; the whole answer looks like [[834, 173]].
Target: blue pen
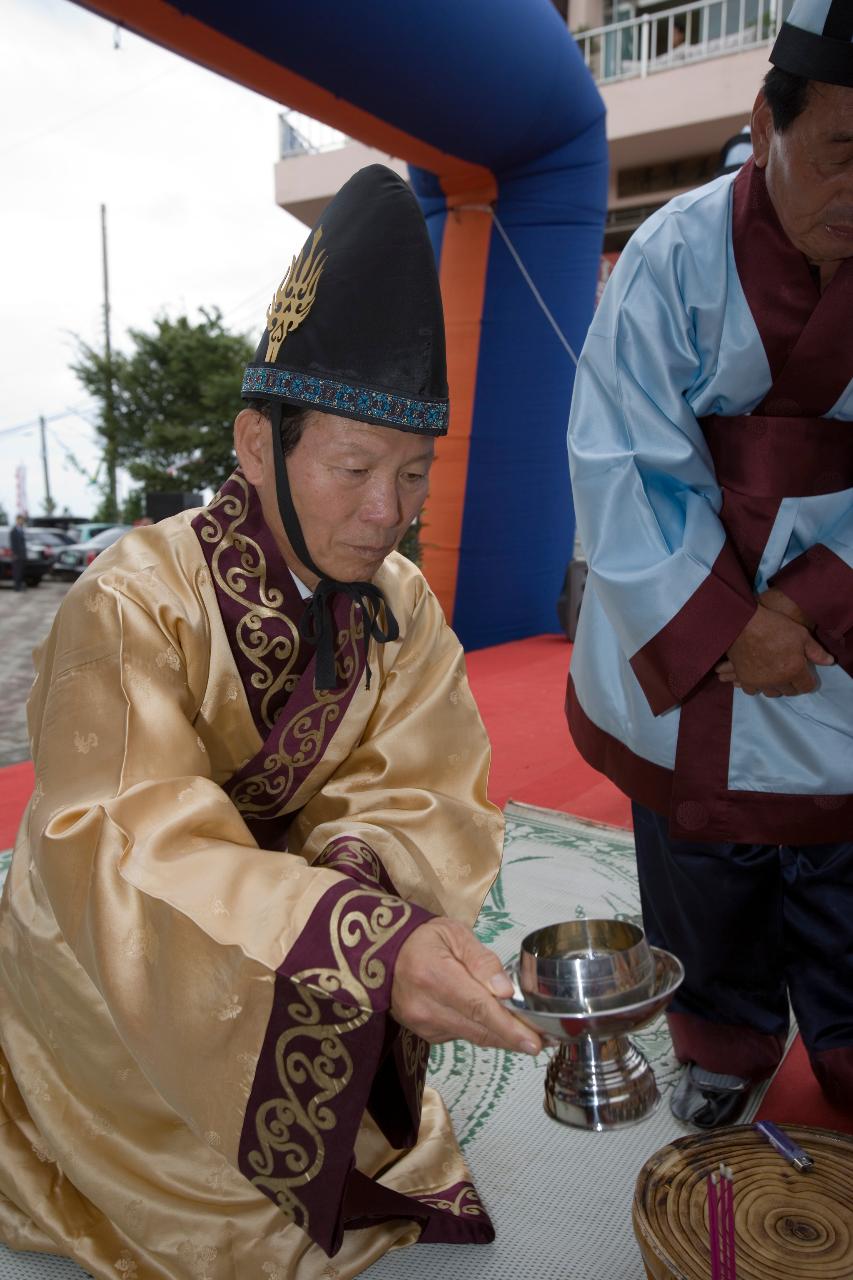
[[786, 1146]]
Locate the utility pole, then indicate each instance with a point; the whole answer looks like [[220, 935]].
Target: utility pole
[[109, 425], [49, 504]]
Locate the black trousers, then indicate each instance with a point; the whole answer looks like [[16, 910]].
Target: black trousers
[[753, 925], [18, 567]]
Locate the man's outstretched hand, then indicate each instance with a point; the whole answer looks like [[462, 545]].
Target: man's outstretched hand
[[448, 986], [775, 651]]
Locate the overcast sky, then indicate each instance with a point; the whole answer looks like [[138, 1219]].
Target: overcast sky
[[183, 160]]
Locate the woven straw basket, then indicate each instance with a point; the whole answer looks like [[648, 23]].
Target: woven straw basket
[[788, 1225]]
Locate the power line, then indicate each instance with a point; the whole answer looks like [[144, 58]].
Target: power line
[[52, 417], [83, 115], [253, 299]]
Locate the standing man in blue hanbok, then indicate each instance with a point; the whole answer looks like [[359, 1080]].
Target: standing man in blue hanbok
[[711, 445]]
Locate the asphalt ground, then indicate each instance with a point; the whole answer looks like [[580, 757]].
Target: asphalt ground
[[25, 620]]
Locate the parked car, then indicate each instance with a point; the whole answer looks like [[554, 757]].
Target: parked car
[[71, 561], [58, 535], [47, 541], [35, 566], [84, 532]]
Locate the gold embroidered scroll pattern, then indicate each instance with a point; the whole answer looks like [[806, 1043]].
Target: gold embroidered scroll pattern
[[358, 917], [294, 297], [415, 1052], [355, 853], [314, 1067], [466, 1203], [261, 794], [223, 519]]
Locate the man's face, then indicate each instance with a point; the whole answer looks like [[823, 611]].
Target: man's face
[[356, 488], [809, 171]]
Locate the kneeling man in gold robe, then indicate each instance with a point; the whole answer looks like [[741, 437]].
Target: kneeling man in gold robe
[[240, 904]]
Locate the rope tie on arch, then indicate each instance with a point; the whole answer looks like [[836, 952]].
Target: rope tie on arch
[[525, 274]]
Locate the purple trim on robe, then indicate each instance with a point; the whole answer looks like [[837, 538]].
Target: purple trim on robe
[[748, 522], [261, 608], [801, 328], [324, 1045], [776, 278], [327, 1058], [349, 946], [673, 662], [354, 857], [301, 736], [700, 778], [648, 783], [452, 1215], [396, 1094], [305, 1107], [747, 817], [258, 600], [821, 583], [725, 1048]]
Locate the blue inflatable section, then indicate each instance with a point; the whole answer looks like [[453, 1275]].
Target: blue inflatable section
[[518, 527]]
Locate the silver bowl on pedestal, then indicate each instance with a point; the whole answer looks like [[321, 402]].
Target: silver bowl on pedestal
[[586, 986]]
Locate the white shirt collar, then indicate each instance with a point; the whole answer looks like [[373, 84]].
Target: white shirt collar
[[305, 592]]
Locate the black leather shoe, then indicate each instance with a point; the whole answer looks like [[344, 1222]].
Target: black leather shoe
[[707, 1099]]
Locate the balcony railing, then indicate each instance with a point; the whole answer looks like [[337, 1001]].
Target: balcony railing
[[684, 34], [301, 136]]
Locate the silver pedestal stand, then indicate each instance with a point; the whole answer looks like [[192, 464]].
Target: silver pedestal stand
[[598, 1079]]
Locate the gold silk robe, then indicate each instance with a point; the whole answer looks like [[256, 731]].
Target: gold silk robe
[[199, 1075]]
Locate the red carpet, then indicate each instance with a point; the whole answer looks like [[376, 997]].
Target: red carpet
[[794, 1096], [520, 688], [16, 784]]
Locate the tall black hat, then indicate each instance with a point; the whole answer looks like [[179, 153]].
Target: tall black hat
[[817, 41], [355, 329]]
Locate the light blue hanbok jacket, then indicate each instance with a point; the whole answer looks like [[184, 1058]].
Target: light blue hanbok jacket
[[675, 341]]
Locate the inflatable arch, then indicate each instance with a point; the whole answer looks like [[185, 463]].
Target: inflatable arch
[[503, 129]]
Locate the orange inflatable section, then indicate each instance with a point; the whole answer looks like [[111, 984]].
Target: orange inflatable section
[[464, 260]]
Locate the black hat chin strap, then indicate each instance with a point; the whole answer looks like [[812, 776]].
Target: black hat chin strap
[[317, 626]]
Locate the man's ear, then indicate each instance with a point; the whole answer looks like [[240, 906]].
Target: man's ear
[[249, 429], [761, 128]]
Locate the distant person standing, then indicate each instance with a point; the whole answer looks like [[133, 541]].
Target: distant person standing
[[18, 545], [735, 152]]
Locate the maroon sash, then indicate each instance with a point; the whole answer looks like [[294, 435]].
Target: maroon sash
[[783, 449]]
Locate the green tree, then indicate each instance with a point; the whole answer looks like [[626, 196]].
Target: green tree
[[174, 397], [4, 518]]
